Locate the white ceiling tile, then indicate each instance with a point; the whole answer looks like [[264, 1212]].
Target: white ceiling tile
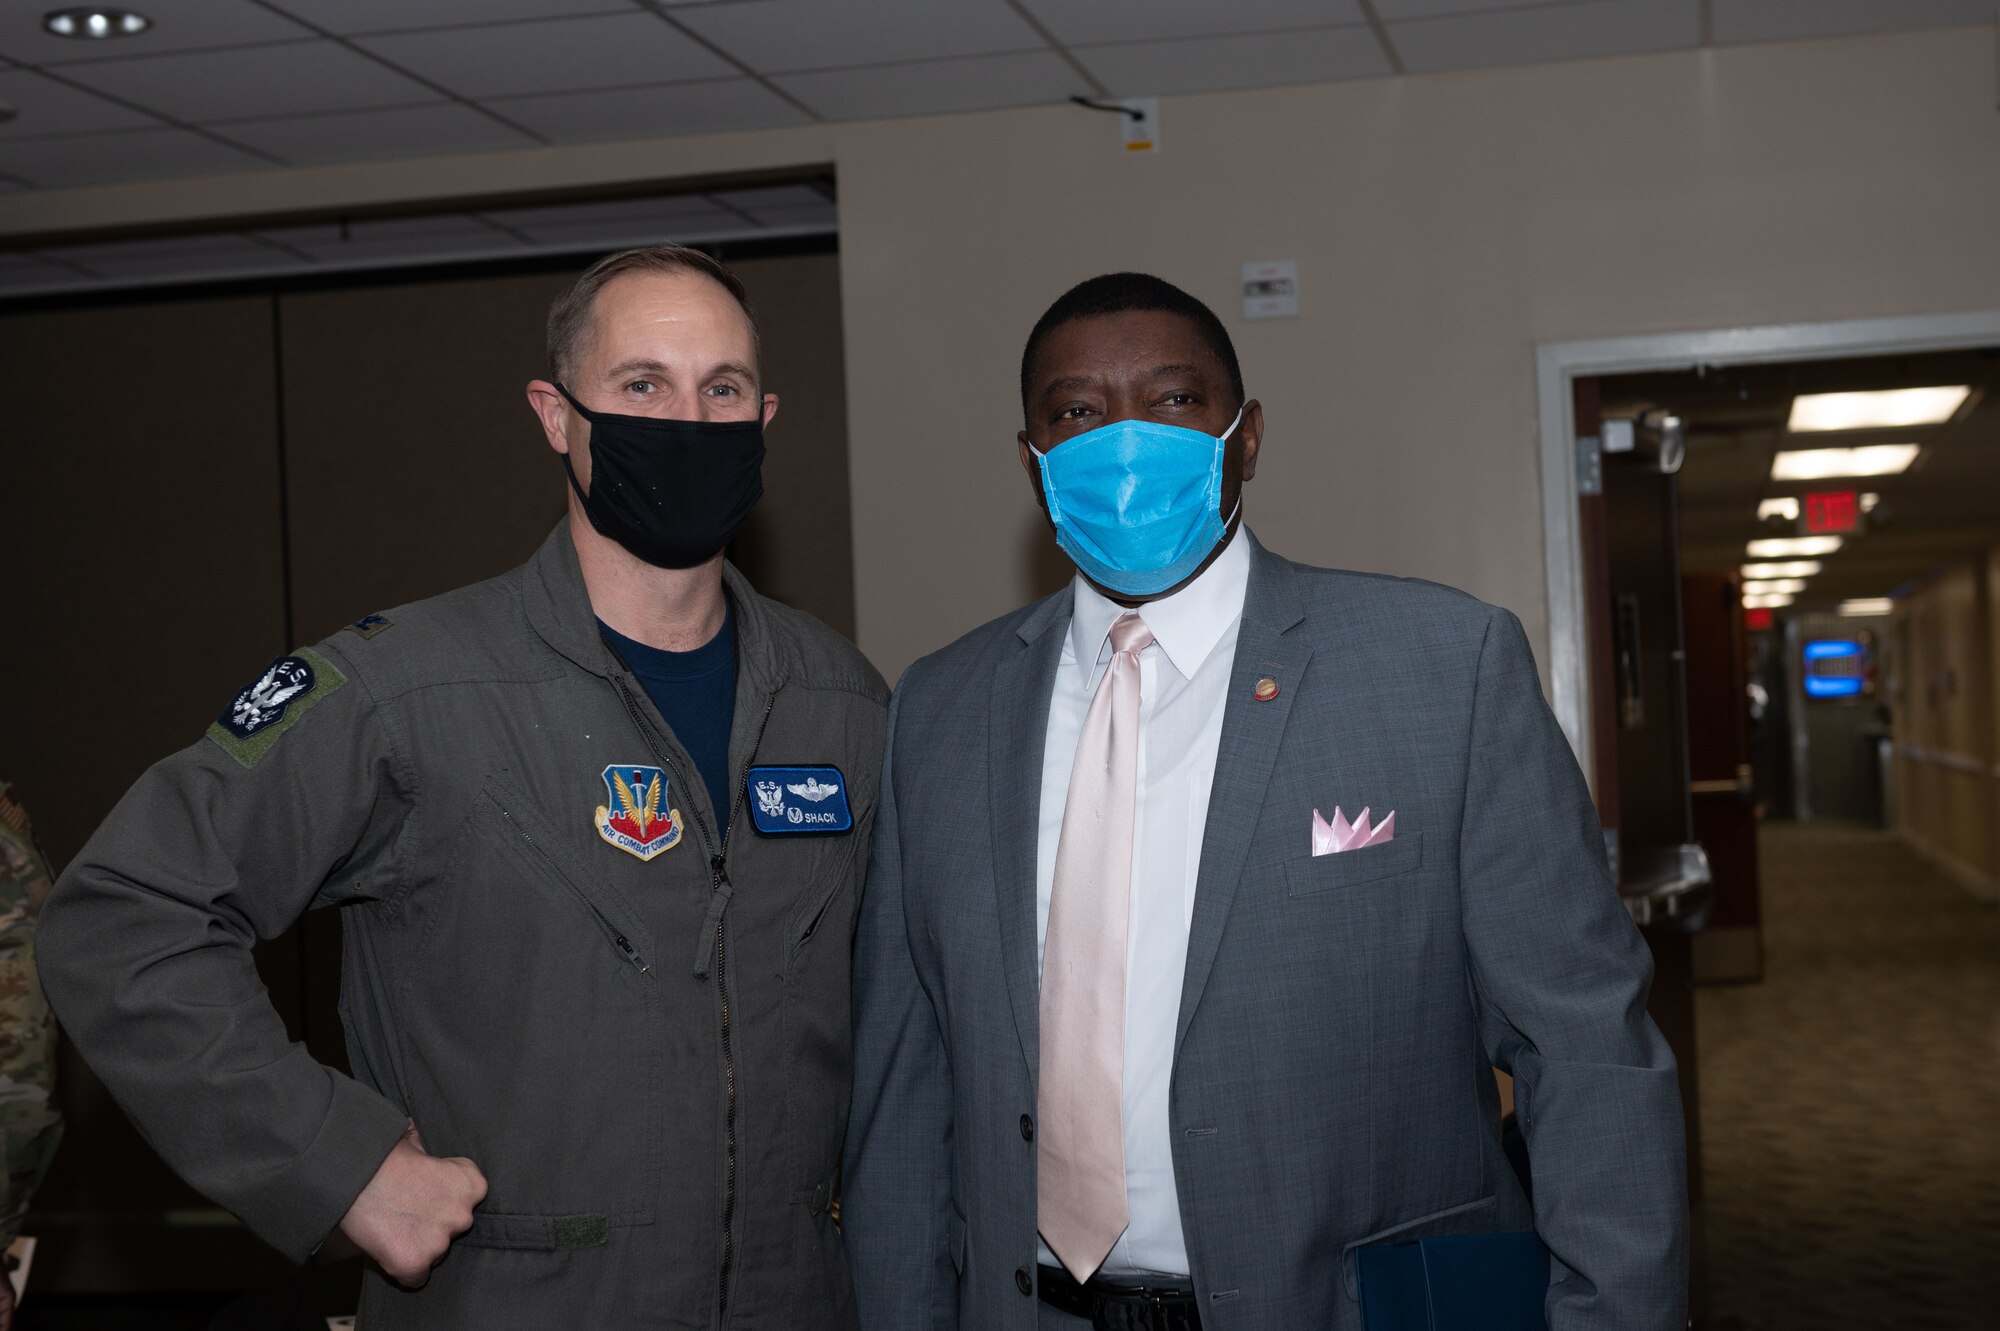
[[1558, 32], [566, 55], [1262, 60], [295, 79], [178, 25], [637, 113], [1100, 22], [96, 159], [1780, 20], [49, 107], [351, 136], [349, 16], [772, 35], [933, 87]]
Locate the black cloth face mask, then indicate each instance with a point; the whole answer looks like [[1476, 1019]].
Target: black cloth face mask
[[671, 492]]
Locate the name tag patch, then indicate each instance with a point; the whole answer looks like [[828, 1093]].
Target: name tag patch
[[799, 799]]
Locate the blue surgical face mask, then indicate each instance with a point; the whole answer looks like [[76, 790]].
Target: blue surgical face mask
[[1137, 505]]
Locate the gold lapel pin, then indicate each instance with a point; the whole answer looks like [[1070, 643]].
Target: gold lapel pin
[[1267, 689]]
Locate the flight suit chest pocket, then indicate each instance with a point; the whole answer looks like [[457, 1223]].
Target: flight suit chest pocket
[[532, 1031]]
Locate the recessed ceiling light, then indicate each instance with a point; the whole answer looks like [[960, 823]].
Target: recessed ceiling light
[[1786, 508], [1796, 568], [1788, 547], [1886, 410], [1867, 605], [89, 23], [1776, 601], [1819, 464], [1774, 585]]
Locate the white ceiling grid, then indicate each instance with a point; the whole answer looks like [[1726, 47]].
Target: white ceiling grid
[[218, 86]]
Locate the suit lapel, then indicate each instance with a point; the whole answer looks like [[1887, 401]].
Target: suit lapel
[[1251, 732], [1019, 728]]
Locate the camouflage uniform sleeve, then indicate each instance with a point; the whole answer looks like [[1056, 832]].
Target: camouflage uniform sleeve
[[298, 796], [30, 1127]]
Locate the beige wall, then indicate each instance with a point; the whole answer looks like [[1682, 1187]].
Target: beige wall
[[1443, 226], [1946, 700]]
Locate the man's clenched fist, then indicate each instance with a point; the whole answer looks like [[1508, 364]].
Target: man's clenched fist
[[413, 1208]]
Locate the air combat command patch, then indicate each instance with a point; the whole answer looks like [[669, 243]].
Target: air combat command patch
[[289, 687], [799, 799], [638, 820]]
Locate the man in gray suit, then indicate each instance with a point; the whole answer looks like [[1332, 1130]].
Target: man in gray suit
[[1207, 893]]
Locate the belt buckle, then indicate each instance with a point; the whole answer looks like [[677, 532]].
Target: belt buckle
[[1140, 1309]]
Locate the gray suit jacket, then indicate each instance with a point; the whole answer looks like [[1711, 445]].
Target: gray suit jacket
[[1340, 1015]]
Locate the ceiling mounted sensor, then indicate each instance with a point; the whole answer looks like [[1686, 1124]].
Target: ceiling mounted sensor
[[88, 23]]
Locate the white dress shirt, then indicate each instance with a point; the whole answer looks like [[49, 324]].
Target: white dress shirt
[[1183, 679]]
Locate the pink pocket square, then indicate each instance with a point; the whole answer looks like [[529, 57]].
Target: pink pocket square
[[1332, 838]]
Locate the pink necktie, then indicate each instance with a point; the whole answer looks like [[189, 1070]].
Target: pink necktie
[[1080, 1141]]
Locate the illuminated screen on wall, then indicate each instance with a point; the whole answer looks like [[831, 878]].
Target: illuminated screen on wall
[[1833, 668]]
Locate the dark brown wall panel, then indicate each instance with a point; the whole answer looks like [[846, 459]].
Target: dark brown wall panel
[[799, 544], [144, 588], [415, 465]]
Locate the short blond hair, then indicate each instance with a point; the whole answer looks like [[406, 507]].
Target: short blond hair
[[569, 316]]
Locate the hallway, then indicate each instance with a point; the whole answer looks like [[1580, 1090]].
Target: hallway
[[1851, 1101]]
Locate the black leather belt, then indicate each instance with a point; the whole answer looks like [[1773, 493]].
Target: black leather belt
[[1119, 1307]]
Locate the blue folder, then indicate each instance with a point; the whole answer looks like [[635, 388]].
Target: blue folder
[[1454, 1282]]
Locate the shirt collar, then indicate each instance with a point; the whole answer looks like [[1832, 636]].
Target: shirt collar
[[1186, 625]]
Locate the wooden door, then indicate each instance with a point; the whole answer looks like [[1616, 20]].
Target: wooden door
[[1721, 772]]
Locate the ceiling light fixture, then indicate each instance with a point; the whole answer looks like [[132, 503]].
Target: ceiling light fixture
[[89, 23], [1796, 568], [1867, 605], [1887, 410], [1868, 502], [1773, 602], [1793, 547], [1778, 585], [1819, 464], [1786, 508]]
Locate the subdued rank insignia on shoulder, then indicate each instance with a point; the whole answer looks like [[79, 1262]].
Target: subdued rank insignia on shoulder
[[368, 625], [799, 799], [638, 819], [290, 687]]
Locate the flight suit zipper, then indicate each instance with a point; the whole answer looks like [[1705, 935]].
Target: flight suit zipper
[[720, 890]]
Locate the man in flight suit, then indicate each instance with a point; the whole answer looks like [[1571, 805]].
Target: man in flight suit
[[597, 828]]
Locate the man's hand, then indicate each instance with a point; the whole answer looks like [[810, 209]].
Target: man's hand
[[412, 1209], [6, 1303]]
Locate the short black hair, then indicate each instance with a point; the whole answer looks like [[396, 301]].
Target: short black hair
[[1118, 293]]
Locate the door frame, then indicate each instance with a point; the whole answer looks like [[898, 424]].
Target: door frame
[[1558, 363]]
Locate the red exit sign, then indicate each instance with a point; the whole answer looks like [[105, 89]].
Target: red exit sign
[[1832, 511]]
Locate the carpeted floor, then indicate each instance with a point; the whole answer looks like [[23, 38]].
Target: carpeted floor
[[1851, 1101]]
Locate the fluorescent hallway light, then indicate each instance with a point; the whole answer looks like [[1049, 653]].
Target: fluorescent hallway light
[[1783, 586], [1867, 605], [1792, 547], [1886, 410], [1787, 508], [1776, 601], [1795, 568], [1819, 464]]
